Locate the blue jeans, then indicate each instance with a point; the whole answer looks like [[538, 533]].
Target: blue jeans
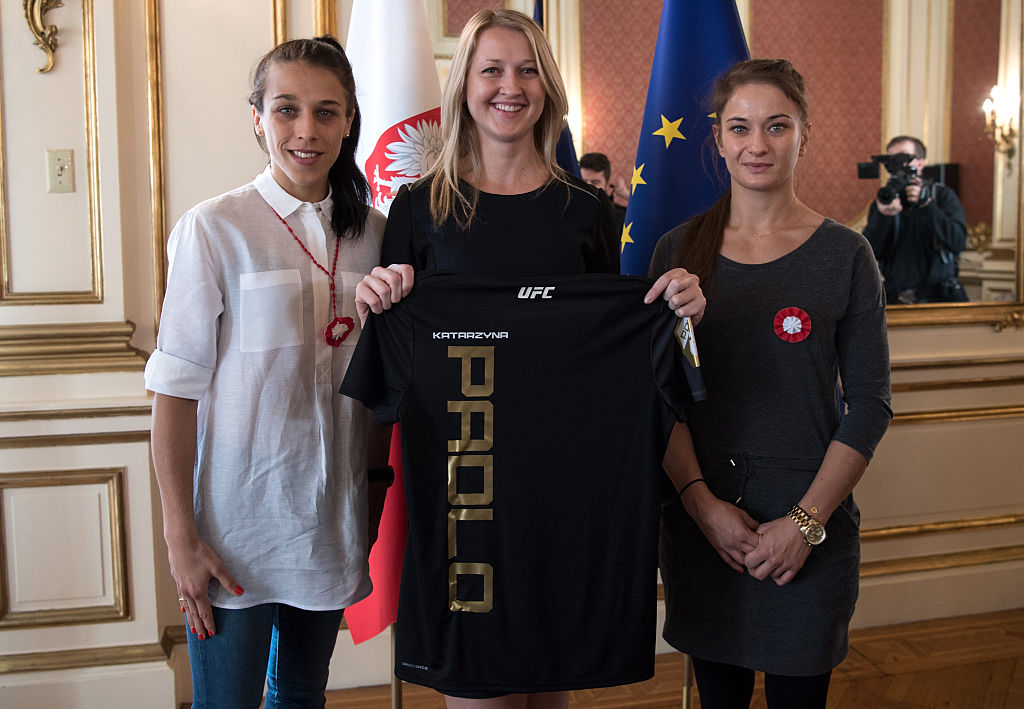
[[289, 647]]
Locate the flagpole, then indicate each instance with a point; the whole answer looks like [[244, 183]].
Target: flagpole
[[687, 681], [396, 684]]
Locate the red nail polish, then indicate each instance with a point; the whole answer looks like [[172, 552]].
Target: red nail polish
[[212, 634], [191, 628], [239, 591], [200, 636]]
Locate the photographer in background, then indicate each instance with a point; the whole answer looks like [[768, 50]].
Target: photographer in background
[[917, 235]]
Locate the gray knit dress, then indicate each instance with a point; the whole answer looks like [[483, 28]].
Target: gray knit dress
[[773, 340]]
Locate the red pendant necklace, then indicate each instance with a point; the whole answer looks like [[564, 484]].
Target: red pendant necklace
[[339, 328]]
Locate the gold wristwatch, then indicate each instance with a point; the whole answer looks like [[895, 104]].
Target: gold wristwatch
[[812, 529]]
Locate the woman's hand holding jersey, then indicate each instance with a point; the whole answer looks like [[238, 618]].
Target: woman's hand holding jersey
[[382, 287], [681, 289]]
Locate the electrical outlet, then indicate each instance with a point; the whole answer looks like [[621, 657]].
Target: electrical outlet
[[60, 171]]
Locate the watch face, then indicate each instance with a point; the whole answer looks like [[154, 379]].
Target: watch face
[[815, 534]]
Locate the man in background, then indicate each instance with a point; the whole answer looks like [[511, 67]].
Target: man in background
[[917, 236], [596, 170]]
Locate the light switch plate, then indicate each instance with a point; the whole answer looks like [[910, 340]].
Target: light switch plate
[[60, 171]]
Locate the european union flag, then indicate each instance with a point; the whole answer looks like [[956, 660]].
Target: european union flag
[[698, 40]]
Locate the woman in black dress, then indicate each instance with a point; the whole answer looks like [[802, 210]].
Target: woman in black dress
[[760, 549], [496, 202]]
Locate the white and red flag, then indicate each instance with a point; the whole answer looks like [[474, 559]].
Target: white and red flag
[[400, 102], [398, 92]]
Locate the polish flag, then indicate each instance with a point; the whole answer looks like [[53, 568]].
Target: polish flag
[[398, 92], [400, 104]]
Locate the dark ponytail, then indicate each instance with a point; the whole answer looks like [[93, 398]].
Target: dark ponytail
[[698, 251], [350, 191]]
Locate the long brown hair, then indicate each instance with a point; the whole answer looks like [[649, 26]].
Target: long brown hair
[[698, 252], [457, 130]]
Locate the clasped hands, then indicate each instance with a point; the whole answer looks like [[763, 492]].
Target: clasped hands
[[775, 549]]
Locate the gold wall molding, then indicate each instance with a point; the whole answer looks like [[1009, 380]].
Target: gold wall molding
[[102, 438], [965, 383], [46, 35], [279, 14], [973, 524], [959, 415], [91, 413], [85, 657], [154, 91], [954, 363], [1014, 320], [113, 479], [325, 17], [72, 348], [92, 171], [998, 315], [941, 562]]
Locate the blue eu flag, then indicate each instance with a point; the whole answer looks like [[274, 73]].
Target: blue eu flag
[[697, 41]]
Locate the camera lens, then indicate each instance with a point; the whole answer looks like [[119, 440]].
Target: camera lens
[[887, 194]]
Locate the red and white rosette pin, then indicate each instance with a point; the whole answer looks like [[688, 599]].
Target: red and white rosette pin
[[792, 324]]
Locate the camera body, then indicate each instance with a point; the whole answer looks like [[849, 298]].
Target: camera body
[[901, 174]]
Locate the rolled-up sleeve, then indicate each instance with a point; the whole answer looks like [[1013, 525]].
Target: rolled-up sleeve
[[186, 353]]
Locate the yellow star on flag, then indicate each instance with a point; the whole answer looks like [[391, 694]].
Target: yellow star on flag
[[636, 179], [626, 238], [669, 130]]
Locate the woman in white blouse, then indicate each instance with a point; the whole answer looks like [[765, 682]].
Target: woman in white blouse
[[271, 482]]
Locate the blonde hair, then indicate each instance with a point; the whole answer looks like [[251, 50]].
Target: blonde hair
[[457, 127]]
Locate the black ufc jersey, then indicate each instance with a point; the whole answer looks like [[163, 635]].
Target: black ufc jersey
[[535, 413]]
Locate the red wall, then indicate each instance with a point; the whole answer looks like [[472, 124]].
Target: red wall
[[459, 12], [837, 47], [618, 38]]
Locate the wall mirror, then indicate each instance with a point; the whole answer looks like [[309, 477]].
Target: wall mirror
[[992, 265]]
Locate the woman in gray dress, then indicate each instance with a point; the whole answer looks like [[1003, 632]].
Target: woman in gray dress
[[759, 546]]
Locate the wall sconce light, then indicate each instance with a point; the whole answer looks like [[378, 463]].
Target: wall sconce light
[[1000, 120]]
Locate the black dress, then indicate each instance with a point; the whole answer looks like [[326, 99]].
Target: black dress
[[774, 338]]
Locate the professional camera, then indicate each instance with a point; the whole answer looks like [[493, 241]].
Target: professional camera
[[901, 174]]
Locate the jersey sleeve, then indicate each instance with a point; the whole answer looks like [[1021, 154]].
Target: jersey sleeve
[[678, 379], [381, 365]]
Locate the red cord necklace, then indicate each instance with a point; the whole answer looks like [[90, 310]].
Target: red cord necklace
[[339, 328]]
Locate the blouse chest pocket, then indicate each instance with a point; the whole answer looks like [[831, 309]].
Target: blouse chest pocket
[[270, 311]]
